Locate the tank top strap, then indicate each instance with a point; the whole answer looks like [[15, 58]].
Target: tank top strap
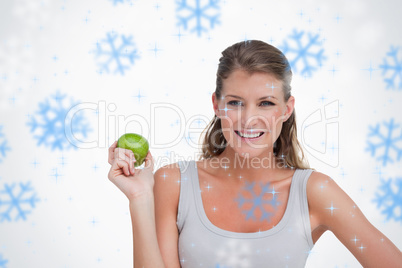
[[299, 186], [188, 173]]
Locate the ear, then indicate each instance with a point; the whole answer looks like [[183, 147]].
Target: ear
[[215, 104], [290, 105]]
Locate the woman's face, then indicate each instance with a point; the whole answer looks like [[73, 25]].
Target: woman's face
[[252, 110]]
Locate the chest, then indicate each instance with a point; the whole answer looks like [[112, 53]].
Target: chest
[[246, 206]]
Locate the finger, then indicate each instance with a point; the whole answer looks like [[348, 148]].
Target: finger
[[118, 153], [126, 155], [121, 153], [122, 165], [131, 160], [149, 161], [111, 152]]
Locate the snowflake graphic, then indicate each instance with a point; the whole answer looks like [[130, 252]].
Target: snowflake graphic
[[252, 202], [307, 53], [3, 262], [389, 198], [118, 57], [192, 14], [53, 124], [19, 199], [385, 143], [395, 68], [3, 145]]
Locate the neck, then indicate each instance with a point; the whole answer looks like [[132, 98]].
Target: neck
[[238, 166]]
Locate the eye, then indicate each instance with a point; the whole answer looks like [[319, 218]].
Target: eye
[[235, 103], [266, 103]]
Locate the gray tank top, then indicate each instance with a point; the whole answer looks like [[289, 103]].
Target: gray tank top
[[202, 244]]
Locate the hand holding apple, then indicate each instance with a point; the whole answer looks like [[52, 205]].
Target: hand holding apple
[[132, 182]]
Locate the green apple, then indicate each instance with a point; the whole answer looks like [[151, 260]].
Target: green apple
[[136, 143]]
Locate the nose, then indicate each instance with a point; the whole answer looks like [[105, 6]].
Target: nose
[[250, 117]]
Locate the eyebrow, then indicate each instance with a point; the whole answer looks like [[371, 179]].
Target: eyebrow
[[262, 98]]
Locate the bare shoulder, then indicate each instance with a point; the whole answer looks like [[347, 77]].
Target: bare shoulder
[[322, 188], [168, 172], [327, 200], [167, 185], [318, 181]]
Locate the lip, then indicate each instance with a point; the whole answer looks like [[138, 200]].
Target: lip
[[250, 132]]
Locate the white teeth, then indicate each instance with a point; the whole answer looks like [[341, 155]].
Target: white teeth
[[254, 135]]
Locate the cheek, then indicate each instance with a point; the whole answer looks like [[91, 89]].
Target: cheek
[[277, 123], [227, 123], [229, 116], [277, 115], [230, 120], [270, 118], [273, 122]]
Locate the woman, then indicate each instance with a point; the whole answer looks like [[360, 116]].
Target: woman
[[252, 192]]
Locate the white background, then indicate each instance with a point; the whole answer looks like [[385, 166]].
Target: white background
[[47, 46]]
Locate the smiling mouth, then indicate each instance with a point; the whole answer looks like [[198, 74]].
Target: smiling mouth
[[249, 135]]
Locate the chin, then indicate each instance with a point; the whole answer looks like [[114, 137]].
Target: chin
[[249, 153]]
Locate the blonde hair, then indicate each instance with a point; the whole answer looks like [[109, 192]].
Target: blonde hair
[[256, 56]]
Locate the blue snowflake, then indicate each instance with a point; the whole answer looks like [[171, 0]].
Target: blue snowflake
[[192, 14], [115, 55], [3, 145], [54, 121], [3, 262], [395, 67], [19, 199], [306, 53], [389, 198], [385, 142], [251, 201]]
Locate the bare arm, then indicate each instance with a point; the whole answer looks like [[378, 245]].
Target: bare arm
[[167, 191], [337, 212], [137, 185], [145, 243]]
